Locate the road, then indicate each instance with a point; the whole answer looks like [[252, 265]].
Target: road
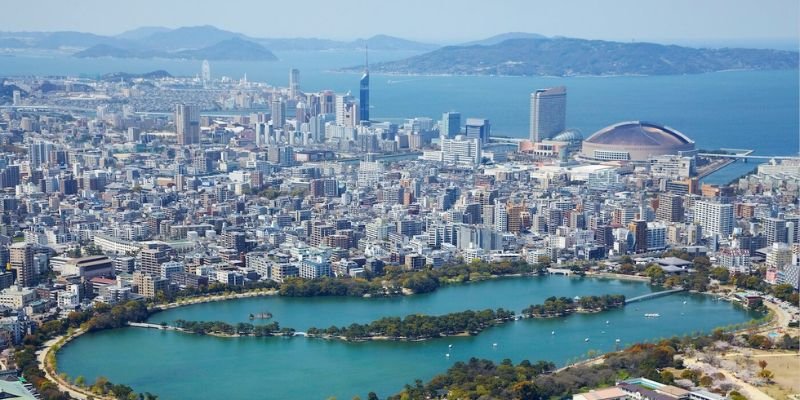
[[74, 392]]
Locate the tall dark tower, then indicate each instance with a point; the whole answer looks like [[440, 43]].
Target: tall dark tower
[[364, 91]]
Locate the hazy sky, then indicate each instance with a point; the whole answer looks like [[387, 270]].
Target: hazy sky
[[428, 20]]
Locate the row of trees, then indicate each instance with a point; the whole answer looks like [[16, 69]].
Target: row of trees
[[485, 379], [396, 278], [416, 326], [563, 306], [224, 328], [298, 287], [215, 288]]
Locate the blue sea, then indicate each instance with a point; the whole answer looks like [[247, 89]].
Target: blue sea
[[735, 109]]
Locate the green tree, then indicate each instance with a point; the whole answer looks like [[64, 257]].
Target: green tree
[[655, 273]]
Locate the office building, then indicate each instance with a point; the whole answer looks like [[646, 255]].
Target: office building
[[450, 125], [294, 83], [774, 230], [278, 113], [461, 150], [363, 93], [639, 230], [205, 73], [187, 124], [478, 128], [548, 113]]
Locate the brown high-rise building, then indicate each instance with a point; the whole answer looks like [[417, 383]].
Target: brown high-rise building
[[518, 218], [21, 261], [639, 229], [670, 208], [151, 259]]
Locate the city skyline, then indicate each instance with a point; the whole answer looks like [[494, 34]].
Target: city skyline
[[628, 20]]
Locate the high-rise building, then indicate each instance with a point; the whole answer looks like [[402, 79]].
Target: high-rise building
[[294, 83], [39, 153], [327, 102], [363, 92], [150, 260], [500, 217], [670, 208], [261, 134], [187, 124], [478, 128], [715, 218], [639, 230], [21, 261], [205, 73], [278, 111], [450, 125], [17, 98], [548, 112], [461, 150], [774, 230]]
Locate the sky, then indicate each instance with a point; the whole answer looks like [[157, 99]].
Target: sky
[[435, 21]]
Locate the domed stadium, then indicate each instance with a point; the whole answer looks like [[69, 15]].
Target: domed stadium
[[634, 141]]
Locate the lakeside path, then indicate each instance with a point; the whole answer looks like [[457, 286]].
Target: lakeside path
[[63, 385], [210, 299]]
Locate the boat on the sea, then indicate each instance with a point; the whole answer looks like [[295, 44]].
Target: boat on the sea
[[652, 315]]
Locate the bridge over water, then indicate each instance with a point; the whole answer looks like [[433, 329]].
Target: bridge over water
[[653, 295]]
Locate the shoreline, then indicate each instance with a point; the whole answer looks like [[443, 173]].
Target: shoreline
[[48, 353], [276, 292], [212, 299], [621, 277]]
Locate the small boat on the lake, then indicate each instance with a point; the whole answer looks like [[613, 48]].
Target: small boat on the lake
[[652, 315], [263, 315]]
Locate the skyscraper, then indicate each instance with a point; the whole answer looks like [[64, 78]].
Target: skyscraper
[[278, 113], [294, 83], [478, 128], [548, 112], [187, 124], [205, 73], [21, 261], [774, 230], [261, 133], [363, 98], [327, 101], [450, 125]]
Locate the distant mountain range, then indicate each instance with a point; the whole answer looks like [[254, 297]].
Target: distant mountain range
[[194, 42], [530, 56], [228, 49]]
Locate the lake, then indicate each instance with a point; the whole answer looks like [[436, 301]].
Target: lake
[[176, 365]]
